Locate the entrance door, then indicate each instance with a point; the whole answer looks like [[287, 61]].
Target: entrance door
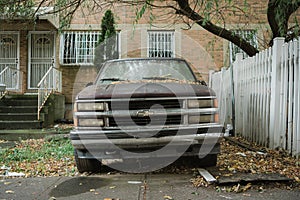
[[41, 56], [9, 60]]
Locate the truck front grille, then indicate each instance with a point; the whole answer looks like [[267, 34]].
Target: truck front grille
[[143, 121], [144, 104]]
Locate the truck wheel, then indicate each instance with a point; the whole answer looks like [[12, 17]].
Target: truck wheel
[[87, 165]]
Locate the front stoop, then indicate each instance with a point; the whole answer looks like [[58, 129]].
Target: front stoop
[[19, 112]]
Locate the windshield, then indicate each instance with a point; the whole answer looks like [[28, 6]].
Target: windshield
[[134, 70]]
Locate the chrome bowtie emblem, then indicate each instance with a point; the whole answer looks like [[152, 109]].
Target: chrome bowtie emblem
[[143, 113]]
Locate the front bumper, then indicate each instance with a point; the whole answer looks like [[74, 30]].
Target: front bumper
[[145, 142]]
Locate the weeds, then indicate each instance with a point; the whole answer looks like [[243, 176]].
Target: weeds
[[42, 157]]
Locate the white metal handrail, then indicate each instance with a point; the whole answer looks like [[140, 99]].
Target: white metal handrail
[[50, 83], [2, 90], [2, 72], [11, 78]]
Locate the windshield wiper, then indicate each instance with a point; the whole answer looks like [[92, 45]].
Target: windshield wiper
[[110, 79], [160, 78]]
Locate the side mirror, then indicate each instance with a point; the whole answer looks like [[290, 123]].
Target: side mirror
[[89, 84]]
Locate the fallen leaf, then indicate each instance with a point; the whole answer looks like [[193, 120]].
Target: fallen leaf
[[134, 182], [92, 190], [168, 197], [237, 188], [225, 197], [231, 169], [9, 192], [112, 187], [241, 154], [245, 188], [227, 175]]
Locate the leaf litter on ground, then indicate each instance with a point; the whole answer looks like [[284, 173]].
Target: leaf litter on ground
[[235, 159]]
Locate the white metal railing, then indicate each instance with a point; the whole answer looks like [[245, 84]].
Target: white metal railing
[[11, 77], [266, 96], [2, 84], [50, 83]]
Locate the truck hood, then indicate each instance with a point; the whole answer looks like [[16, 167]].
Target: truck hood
[[144, 89]]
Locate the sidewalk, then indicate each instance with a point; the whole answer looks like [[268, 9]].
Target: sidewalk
[[124, 187]]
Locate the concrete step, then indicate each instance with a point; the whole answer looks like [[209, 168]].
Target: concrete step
[[18, 116], [18, 109], [20, 112], [20, 102], [34, 124], [21, 96]]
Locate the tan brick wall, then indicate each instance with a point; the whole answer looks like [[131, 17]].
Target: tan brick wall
[[203, 50], [75, 79]]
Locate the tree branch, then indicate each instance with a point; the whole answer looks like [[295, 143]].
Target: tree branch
[[185, 9]]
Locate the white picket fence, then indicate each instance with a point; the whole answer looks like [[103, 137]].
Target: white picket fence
[[266, 91]]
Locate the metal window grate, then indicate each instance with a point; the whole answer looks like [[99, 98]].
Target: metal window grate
[[161, 44], [249, 35], [9, 60], [78, 47]]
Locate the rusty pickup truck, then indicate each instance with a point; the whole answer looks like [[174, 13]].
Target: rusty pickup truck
[[145, 109]]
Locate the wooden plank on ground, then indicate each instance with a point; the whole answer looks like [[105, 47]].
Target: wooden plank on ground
[[239, 177], [207, 176]]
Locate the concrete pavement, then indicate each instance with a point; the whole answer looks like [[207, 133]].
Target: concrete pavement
[[124, 187]]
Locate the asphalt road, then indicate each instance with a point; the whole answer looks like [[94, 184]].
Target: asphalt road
[[125, 187]]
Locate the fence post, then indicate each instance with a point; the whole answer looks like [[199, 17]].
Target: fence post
[[223, 97], [274, 134], [236, 96], [210, 78]]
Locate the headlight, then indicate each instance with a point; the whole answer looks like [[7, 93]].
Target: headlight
[[200, 103], [90, 106], [91, 122], [198, 119]]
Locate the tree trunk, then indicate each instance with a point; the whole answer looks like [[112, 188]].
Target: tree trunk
[[279, 12]]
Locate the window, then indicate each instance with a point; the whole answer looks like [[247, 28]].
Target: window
[[78, 47], [249, 35], [161, 44], [7, 46]]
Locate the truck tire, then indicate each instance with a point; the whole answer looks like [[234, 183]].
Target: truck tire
[[87, 165]]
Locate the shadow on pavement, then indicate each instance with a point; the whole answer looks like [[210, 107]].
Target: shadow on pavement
[[78, 185]]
